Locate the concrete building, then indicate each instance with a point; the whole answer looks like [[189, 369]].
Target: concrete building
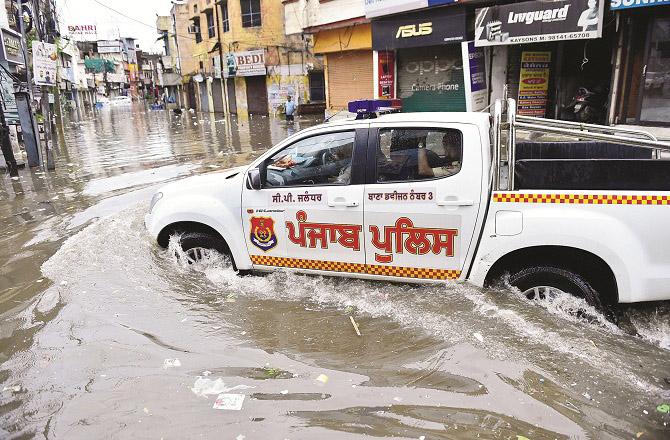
[[342, 35]]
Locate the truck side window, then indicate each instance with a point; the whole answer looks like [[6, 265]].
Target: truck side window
[[323, 159], [410, 154]]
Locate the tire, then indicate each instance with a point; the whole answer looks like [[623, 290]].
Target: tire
[[191, 242], [531, 280]]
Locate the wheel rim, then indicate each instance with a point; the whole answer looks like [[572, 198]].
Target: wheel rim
[[196, 254], [543, 293]]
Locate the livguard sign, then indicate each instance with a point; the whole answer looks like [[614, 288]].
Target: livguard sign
[[425, 28], [539, 21], [616, 5]]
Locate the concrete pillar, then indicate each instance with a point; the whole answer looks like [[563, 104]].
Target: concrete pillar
[[241, 97]]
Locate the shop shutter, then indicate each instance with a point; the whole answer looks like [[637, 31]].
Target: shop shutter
[[257, 95], [430, 79], [349, 77]]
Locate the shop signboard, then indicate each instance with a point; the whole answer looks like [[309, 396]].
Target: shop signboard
[[247, 63], [431, 79], [616, 5], [474, 74], [7, 99], [10, 47], [379, 8], [421, 29], [109, 46], [386, 74], [539, 21], [534, 83], [45, 62]]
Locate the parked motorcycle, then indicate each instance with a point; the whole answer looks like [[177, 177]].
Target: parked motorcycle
[[588, 106]]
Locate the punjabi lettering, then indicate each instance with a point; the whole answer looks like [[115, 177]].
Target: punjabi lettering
[[299, 198], [309, 234], [401, 196], [403, 236]]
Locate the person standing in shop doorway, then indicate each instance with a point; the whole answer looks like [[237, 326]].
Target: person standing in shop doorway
[[289, 108]]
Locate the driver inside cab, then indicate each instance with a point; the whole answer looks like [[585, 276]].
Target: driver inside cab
[[451, 164]]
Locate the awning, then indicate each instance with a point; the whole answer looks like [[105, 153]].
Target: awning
[[348, 38], [171, 79]]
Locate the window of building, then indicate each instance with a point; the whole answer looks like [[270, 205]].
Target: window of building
[[323, 159], [410, 154], [224, 15], [211, 29], [251, 13], [196, 30]]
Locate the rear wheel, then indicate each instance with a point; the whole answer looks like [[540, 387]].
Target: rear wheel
[[544, 283]]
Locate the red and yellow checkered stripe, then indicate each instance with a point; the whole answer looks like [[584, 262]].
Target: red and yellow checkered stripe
[[373, 269], [582, 199]]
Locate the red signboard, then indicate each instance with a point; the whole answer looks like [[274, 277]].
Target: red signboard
[[386, 74]]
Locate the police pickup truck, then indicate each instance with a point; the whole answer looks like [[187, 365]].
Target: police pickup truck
[[428, 197]]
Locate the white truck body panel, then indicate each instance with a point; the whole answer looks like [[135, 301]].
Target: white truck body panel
[[289, 227]]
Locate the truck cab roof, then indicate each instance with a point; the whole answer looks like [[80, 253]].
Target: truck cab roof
[[424, 117]]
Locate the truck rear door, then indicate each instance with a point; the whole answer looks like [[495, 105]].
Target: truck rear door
[[422, 199]]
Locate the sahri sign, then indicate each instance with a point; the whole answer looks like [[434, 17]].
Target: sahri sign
[[45, 61], [539, 21], [616, 5], [10, 47]]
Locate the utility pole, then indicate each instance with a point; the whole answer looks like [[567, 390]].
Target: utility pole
[[222, 80]]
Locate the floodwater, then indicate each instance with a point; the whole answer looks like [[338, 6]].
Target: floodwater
[[104, 335]]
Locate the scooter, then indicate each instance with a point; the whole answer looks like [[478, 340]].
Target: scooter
[[588, 105]]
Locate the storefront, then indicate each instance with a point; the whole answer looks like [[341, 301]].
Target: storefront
[[247, 71], [419, 59], [348, 64], [545, 51], [642, 76]]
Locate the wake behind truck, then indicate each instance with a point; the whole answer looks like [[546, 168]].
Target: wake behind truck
[[428, 197]]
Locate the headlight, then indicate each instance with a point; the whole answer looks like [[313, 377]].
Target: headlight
[[154, 200]]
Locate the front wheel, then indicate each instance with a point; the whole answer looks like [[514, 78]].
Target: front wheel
[[547, 282], [196, 245]]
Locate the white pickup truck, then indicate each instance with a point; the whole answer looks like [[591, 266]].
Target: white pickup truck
[[428, 197]]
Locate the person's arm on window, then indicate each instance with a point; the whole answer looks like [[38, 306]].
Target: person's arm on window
[[424, 167]]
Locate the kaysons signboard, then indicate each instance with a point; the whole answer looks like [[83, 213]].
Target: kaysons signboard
[[539, 21]]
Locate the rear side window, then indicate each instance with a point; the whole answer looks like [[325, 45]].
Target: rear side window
[[414, 154]]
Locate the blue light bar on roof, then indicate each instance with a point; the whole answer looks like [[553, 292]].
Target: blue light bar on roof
[[368, 106]]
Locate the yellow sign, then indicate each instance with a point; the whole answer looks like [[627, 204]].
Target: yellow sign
[[414, 30], [534, 83]]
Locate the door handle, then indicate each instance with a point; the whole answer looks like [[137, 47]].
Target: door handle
[[341, 202], [455, 203]]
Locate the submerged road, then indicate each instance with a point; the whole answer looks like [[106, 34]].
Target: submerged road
[[104, 335]]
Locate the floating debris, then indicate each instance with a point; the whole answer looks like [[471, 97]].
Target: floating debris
[[231, 402]]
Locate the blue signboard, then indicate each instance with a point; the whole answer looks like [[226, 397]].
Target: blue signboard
[[440, 2], [616, 5]]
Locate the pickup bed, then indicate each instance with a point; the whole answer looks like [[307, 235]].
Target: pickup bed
[[427, 197]]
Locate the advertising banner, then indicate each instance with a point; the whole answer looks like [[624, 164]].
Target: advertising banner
[[10, 47], [534, 83], [539, 21], [109, 46], [474, 72], [424, 28], [379, 8], [7, 99], [45, 62], [616, 5], [386, 74], [247, 63]]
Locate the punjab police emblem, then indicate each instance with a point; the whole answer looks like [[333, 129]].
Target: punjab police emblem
[[262, 233]]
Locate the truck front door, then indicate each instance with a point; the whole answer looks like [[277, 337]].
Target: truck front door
[[422, 199], [309, 213]]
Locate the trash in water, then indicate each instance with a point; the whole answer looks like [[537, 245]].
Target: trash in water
[[14, 389], [284, 392], [206, 373], [645, 411], [639, 434], [478, 337], [322, 378], [146, 410], [271, 373], [232, 402], [358, 332], [240, 437], [349, 310], [663, 408], [521, 437], [63, 283], [171, 363], [204, 387]]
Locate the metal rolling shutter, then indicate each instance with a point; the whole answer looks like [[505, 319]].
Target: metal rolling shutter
[[349, 77], [430, 79]]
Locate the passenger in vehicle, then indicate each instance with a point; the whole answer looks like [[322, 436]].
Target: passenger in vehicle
[[451, 164]]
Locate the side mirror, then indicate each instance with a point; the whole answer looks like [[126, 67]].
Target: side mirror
[[254, 179]]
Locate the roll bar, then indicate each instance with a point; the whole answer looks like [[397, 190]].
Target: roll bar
[[624, 136]]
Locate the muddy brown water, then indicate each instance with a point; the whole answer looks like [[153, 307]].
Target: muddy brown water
[[94, 315]]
